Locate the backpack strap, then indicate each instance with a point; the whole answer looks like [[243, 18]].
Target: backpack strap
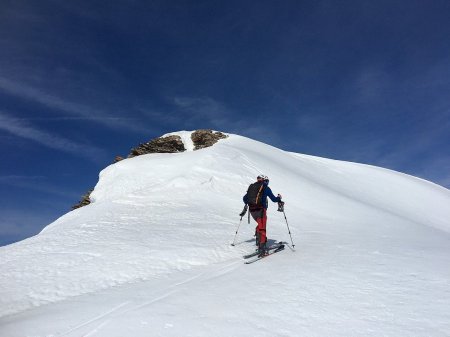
[[261, 189]]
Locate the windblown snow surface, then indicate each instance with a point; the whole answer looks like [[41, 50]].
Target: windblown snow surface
[[151, 256]]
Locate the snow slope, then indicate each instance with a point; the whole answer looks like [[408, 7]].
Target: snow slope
[[151, 256]]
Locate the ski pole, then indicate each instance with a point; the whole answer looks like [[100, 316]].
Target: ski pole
[[288, 230], [236, 232], [281, 209], [242, 215]]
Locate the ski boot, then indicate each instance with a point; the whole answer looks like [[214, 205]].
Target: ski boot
[[262, 250]]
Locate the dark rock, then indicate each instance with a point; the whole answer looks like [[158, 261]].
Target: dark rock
[[85, 200], [117, 159], [169, 144], [206, 138]]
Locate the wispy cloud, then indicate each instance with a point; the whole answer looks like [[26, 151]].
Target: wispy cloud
[[76, 110], [37, 183], [211, 113], [167, 118], [203, 109], [193, 113], [22, 129], [369, 84], [21, 223]]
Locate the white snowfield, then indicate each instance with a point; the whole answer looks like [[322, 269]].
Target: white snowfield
[[151, 256]]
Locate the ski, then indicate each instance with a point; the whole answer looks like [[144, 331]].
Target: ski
[[250, 255], [279, 249], [274, 246]]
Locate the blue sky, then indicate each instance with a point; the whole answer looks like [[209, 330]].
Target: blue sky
[[84, 81]]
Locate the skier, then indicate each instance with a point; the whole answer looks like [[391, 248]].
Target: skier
[[256, 199]]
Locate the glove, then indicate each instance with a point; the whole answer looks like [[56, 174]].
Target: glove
[[243, 211], [280, 206], [279, 196]]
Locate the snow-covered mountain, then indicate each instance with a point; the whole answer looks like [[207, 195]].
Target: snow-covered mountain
[[151, 256]]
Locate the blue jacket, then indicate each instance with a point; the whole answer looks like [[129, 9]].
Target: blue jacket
[[267, 192]]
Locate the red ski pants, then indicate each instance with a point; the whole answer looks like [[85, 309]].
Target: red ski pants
[[260, 217]]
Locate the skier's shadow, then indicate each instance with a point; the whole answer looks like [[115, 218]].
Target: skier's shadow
[[271, 242]]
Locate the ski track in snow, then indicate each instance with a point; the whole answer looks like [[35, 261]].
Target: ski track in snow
[[94, 325], [152, 256], [97, 318]]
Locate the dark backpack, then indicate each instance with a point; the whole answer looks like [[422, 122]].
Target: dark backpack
[[254, 195]]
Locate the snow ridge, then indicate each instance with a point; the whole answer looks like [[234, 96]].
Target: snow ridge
[[151, 254], [185, 138]]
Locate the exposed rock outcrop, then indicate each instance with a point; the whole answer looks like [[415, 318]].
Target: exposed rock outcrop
[[117, 159], [85, 200], [169, 144], [206, 138]]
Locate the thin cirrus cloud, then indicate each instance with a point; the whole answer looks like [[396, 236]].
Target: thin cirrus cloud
[[76, 110], [37, 183], [192, 113], [204, 109], [18, 224], [214, 113], [20, 128]]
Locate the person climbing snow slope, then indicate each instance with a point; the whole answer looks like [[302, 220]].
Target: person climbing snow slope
[[256, 199]]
